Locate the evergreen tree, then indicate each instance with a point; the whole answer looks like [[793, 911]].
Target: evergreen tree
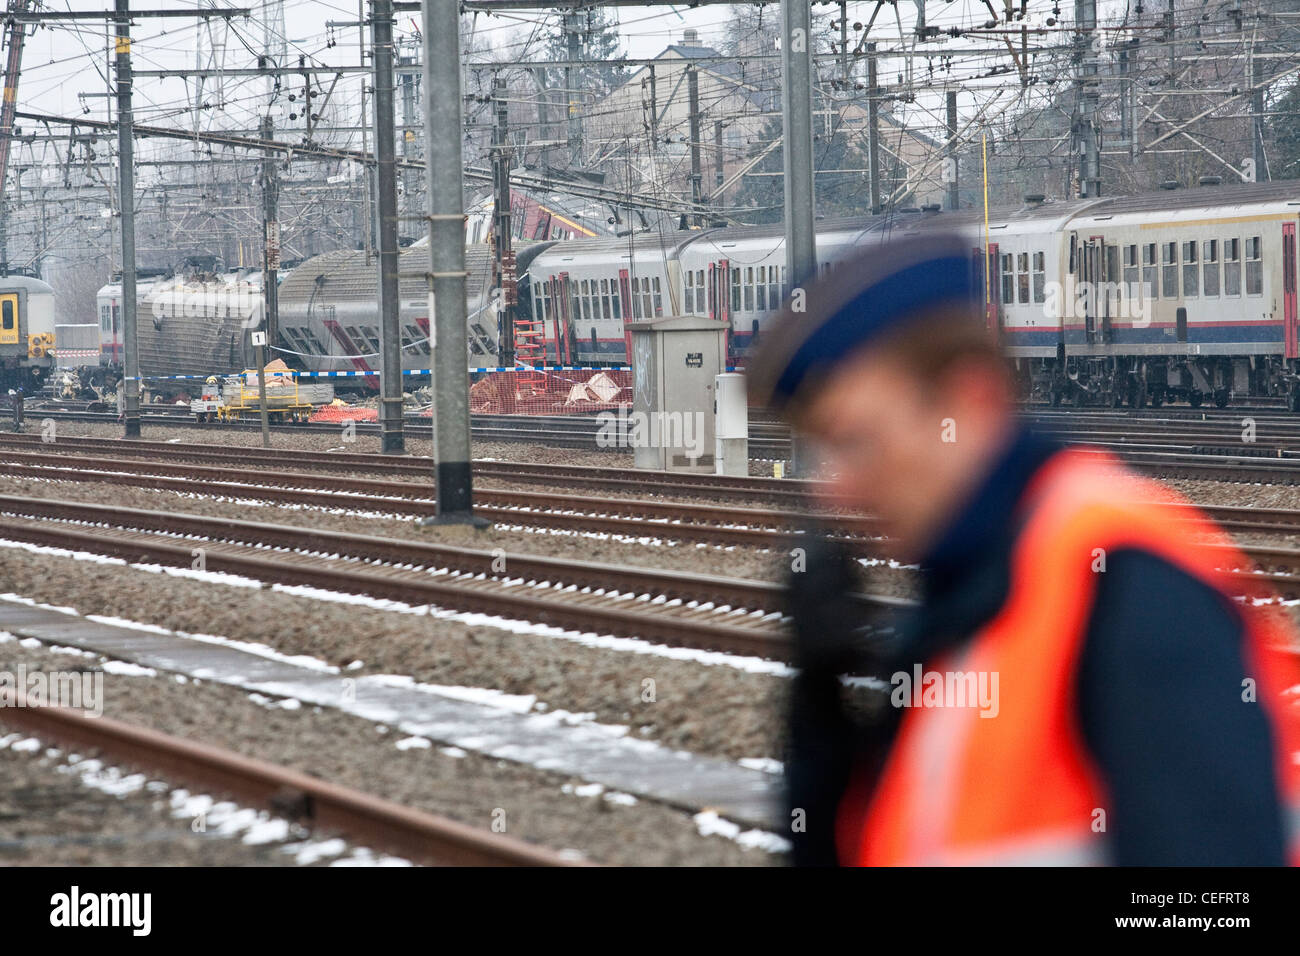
[[598, 40]]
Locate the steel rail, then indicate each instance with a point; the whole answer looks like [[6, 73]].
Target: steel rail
[[405, 831]]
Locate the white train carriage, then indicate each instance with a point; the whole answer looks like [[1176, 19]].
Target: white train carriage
[[739, 274], [1196, 295], [27, 316], [582, 291]]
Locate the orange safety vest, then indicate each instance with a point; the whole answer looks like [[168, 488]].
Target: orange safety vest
[[1020, 787]]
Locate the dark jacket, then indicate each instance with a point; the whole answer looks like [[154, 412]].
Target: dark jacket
[[1188, 770]]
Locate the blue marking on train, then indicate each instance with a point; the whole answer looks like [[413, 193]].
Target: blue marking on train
[[405, 371]]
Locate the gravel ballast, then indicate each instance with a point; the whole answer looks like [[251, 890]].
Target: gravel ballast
[[545, 808]]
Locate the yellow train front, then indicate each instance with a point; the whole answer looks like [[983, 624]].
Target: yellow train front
[[26, 333]]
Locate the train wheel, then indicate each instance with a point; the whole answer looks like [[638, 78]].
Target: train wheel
[[1221, 398], [1194, 399]]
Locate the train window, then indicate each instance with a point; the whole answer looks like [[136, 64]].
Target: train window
[[1210, 267], [9, 318], [1232, 267], [749, 288], [735, 289], [699, 292], [1169, 269], [609, 298], [372, 338], [785, 282], [659, 301], [1190, 271], [309, 339], [1254, 267], [1040, 277], [760, 290], [1131, 270], [1074, 245], [688, 287], [1149, 270], [1022, 278], [773, 289], [1008, 279], [712, 304], [417, 339], [105, 319]]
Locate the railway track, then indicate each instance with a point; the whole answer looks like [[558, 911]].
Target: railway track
[[685, 610], [790, 492], [303, 799], [767, 440], [711, 523], [409, 498], [1193, 444]]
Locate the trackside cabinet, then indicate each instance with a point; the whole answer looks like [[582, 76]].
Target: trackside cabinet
[[675, 361]]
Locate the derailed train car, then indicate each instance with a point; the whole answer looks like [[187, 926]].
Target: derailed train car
[[185, 325], [329, 309]]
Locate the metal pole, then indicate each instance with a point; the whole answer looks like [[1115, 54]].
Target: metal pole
[[270, 273], [796, 114], [265, 413], [571, 23], [444, 165], [393, 441], [367, 196], [873, 130], [654, 111], [409, 183], [501, 235], [719, 175], [951, 150], [126, 201], [693, 93], [1085, 13]]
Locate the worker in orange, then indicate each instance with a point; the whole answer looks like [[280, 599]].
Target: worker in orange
[[1080, 681]]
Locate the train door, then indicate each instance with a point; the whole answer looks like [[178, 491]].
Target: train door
[[1088, 272], [9, 330], [625, 290], [989, 267], [722, 295], [566, 320], [1289, 290]]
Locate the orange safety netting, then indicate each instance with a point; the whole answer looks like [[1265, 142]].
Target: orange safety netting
[[344, 413]]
